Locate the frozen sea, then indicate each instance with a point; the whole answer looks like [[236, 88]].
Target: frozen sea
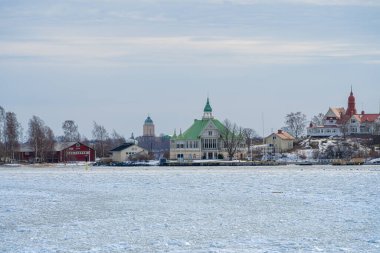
[[213, 209]]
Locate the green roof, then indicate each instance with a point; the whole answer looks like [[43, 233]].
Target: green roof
[[196, 129], [148, 120], [208, 106]]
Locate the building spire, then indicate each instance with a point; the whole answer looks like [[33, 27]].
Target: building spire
[[351, 107], [207, 111]]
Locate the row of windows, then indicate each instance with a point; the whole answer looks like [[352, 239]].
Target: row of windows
[[324, 131], [209, 144], [190, 156], [187, 144]]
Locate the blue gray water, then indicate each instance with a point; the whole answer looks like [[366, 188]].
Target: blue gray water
[[225, 209]]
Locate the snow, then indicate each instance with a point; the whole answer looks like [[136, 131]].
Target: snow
[[376, 160], [213, 209]]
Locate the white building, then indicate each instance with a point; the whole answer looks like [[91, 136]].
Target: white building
[[340, 122], [202, 140]]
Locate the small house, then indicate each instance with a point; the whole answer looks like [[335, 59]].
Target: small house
[[128, 151], [280, 142]]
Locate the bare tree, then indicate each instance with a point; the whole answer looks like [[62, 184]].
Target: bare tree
[[36, 132], [249, 134], [232, 138], [296, 122], [344, 127], [2, 125], [41, 138], [318, 119], [376, 130], [70, 131], [48, 144], [117, 139], [100, 135], [11, 134]]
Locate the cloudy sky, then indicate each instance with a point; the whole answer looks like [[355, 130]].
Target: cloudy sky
[[116, 61]]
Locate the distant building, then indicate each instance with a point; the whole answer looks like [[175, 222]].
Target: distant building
[[156, 145], [279, 142], [148, 128], [202, 140], [340, 122], [62, 152], [128, 151]]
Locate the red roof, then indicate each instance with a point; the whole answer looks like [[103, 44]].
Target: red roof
[[369, 117], [284, 135]]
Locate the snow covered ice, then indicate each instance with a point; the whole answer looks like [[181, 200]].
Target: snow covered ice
[[223, 209]]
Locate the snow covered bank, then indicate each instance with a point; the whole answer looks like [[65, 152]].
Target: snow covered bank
[[154, 209]]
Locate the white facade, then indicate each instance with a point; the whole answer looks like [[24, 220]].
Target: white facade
[[324, 131], [341, 122]]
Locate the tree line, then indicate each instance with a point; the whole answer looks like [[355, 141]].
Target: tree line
[[41, 138]]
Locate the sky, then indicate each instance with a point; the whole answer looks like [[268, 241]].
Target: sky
[[117, 61]]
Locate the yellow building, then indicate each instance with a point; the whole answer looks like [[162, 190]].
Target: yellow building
[[279, 142], [127, 151]]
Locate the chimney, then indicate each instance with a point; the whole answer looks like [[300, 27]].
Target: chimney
[[279, 131], [363, 112]]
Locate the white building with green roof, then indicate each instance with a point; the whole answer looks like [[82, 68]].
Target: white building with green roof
[[201, 141]]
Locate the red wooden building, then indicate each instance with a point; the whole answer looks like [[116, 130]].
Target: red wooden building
[[62, 152], [74, 152]]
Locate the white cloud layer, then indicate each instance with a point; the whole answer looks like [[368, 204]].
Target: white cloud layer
[[182, 50], [313, 2]]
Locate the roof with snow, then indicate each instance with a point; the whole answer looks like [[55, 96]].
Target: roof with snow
[[64, 145], [58, 146], [337, 111], [123, 146]]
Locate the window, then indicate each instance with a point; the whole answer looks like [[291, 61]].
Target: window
[[209, 133], [180, 145], [209, 143]]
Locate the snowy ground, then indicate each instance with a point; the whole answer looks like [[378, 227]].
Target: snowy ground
[[283, 209]]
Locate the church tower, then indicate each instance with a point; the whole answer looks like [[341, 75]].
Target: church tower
[[207, 112], [351, 108], [148, 128]]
